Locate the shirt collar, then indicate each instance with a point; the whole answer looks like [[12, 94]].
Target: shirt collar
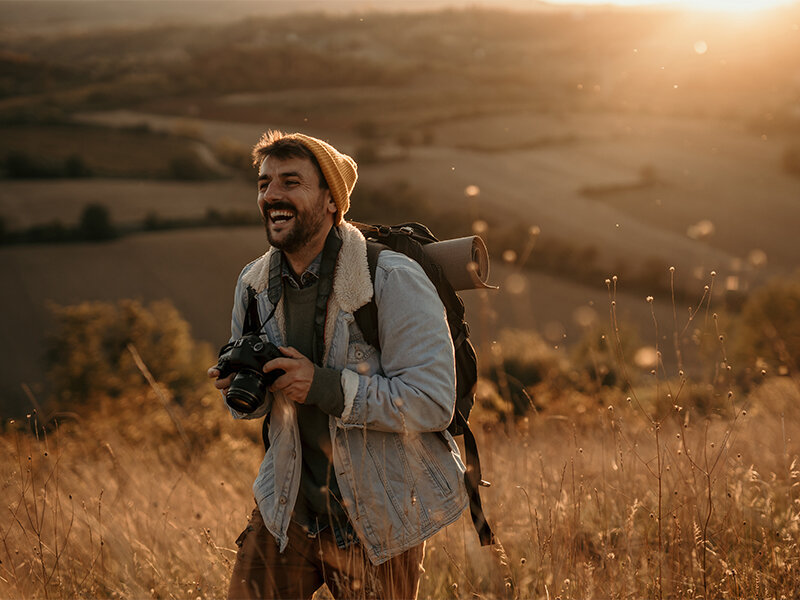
[[308, 277]]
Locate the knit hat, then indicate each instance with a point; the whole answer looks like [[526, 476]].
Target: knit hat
[[340, 171]]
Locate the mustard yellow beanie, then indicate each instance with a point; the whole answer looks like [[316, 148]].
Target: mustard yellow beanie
[[340, 171]]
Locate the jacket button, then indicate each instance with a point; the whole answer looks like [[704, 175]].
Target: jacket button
[[282, 500]]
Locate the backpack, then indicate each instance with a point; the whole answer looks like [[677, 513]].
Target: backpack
[[410, 239]]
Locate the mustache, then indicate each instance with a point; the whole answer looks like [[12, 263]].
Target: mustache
[[279, 205]]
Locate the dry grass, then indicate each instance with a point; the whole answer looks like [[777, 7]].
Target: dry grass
[[602, 503]]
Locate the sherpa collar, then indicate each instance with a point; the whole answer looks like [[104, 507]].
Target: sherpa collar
[[352, 286]]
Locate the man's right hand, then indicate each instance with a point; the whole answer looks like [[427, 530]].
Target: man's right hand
[[220, 384]]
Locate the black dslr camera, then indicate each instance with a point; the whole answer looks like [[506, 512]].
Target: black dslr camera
[[246, 357]]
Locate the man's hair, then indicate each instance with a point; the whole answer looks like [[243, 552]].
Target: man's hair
[[279, 145]]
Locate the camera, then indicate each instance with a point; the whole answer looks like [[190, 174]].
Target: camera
[[246, 357]]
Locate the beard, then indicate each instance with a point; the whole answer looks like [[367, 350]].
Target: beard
[[307, 223]]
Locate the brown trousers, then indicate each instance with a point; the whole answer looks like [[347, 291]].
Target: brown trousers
[[307, 563]]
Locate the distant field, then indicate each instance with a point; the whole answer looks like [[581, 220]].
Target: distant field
[[26, 203], [106, 152]]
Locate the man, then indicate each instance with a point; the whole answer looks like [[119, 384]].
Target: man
[[359, 469]]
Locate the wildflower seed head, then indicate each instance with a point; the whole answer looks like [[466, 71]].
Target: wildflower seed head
[[672, 269], [744, 413], [713, 274], [650, 299], [608, 282]]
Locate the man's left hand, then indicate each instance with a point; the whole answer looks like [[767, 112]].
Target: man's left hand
[[299, 373]]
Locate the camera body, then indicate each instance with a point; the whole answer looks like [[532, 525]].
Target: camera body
[[245, 358]]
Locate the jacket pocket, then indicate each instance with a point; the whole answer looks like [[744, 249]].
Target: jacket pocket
[[387, 474], [433, 468]]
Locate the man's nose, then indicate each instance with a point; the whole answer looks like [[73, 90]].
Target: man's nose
[[272, 193]]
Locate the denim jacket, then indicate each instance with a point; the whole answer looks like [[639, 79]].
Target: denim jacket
[[400, 477]]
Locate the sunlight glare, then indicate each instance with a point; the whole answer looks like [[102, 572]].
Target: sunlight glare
[[729, 6]]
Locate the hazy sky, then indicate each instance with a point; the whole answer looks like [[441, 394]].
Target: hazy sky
[[724, 5]]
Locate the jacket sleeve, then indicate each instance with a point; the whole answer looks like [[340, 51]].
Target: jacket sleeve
[[415, 392], [237, 323]]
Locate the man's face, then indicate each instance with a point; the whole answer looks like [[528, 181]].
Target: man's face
[[294, 207]]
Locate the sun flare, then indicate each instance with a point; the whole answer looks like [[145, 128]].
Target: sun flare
[[728, 6]]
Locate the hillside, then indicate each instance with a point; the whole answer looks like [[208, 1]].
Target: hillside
[[631, 141]]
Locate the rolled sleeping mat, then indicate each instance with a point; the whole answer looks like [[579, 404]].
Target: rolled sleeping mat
[[465, 262]]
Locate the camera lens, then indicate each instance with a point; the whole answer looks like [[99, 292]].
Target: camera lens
[[247, 391]]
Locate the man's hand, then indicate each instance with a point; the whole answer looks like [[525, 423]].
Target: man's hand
[[220, 384], [299, 373]]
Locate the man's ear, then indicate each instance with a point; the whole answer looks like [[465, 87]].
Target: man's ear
[[331, 205]]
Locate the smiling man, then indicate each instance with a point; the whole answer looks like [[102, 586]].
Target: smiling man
[[359, 469]]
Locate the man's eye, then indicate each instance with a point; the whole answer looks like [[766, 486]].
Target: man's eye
[[291, 182]]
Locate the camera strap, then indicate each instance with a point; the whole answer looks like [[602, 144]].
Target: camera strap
[[330, 254]]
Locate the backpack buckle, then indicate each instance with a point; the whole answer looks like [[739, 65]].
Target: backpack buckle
[[384, 230]]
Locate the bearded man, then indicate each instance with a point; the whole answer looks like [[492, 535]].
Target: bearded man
[[359, 469]]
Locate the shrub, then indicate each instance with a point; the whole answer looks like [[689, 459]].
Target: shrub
[[599, 353], [88, 354], [234, 154], [767, 332], [188, 167], [95, 224], [791, 160]]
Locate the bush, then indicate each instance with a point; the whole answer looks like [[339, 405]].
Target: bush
[[598, 355], [234, 154], [188, 167], [767, 331], [88, 354], [791, 160], [95, 224]]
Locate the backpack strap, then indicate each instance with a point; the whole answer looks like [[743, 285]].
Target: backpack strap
[[366, 318], [473, 480]]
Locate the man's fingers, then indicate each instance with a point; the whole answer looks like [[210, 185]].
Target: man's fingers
[[213, 372], [221, 384], [287, 364]]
